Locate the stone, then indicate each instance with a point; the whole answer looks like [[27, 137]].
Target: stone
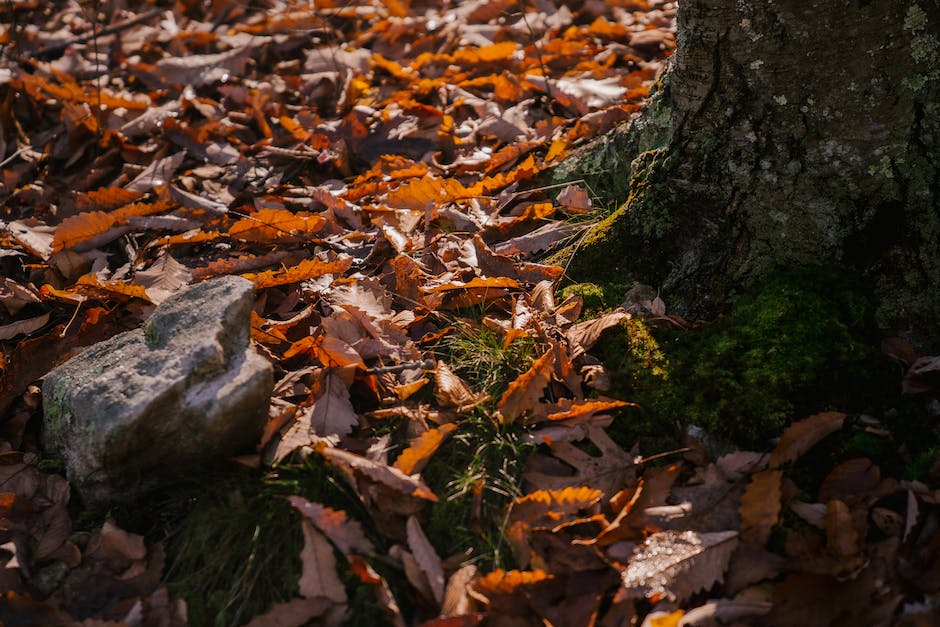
[[150, 404]]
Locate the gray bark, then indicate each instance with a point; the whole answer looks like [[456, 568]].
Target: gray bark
[[783, 133]]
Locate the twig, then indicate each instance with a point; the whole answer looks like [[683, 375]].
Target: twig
[[110, 30], [427, 364]]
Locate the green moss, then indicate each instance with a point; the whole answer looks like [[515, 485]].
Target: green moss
[[151, 334], [800, 343], [597, 298]]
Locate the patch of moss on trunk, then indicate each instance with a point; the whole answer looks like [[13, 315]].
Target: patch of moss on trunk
[[803, 341]]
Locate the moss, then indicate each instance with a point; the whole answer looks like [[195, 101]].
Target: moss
[[597, 298], [802, 342]]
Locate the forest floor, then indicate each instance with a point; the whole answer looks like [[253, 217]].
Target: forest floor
[[456, 436]]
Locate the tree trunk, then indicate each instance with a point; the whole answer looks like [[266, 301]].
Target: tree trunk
[[783, 133]]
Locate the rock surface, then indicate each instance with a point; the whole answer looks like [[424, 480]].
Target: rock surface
[[160, 400]]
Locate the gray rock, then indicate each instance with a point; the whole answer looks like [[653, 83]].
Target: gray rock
[[157, 401]]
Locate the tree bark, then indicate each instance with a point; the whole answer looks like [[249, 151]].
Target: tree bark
[[783, 133]]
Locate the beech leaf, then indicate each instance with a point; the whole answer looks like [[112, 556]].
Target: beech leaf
[[760, 507], [677, 564], [801, 436]]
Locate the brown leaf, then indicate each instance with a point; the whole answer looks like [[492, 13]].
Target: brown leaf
[[452, 391], [294, 613], [414, 458], [345, 533], [801, 436], [426, 557], [608, 472], [842, 540], [586, 334], [318, 576], [675, 565], [760, 507], [387, 476], [164, 278], [552, 507], [23, 327], [574, 197], [457, 601]]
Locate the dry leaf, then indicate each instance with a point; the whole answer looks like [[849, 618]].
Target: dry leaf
[[345, 533], [318, 576], [164, 278], [295, 613], [23, 327], [426, 557], [451, 391], [524, 393], [760, 507], [801, 436], [586, 334], [675, 565], [414, 458]]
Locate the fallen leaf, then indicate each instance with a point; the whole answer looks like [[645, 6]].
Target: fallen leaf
[[426, 557], [414, 458], [163, 278], [801, 436], [294, 613], [23, 327], [760, 507], [524, 393], [675, 565], [318, 576]]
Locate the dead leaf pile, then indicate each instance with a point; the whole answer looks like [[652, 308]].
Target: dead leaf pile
[[374, 169]]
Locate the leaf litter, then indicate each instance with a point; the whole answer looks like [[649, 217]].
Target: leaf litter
[[373, 168]]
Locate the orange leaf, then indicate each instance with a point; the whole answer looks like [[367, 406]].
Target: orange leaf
[[95, 228], [524, 393], [502, 582], [334, 352], [273, 224], [475, 282], [551, 507], [106, 199], [567, 409], [308, 269], [414, 458], [426, 193]]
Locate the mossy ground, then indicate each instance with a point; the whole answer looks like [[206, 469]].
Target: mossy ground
[[801, 342]]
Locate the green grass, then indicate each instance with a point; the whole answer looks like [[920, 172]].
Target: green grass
[[476, 474], [234, 544]]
